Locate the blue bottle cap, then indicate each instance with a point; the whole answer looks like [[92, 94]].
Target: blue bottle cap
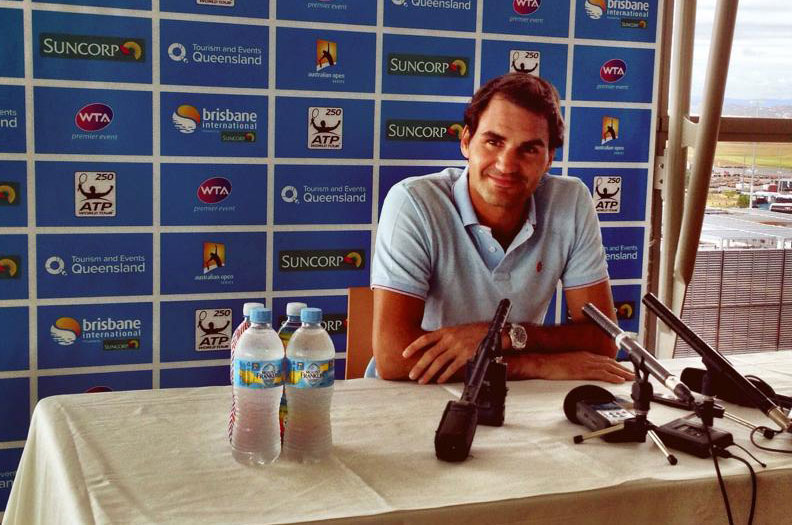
[[261, 315], [311, 315]]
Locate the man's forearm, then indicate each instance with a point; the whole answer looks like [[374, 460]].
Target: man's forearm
[[571, 337]]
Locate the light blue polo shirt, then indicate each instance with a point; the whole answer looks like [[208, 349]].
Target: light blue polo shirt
[[430, 245]]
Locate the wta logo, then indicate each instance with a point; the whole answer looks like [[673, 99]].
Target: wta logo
[[526, 7], [186, 118], [94, 117], [613, 70], [65, 331], [214, 190]]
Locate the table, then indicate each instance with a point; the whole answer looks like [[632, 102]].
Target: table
[[162, 456]]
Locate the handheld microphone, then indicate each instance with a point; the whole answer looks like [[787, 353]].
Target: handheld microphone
[[717, 363], [638, 353]]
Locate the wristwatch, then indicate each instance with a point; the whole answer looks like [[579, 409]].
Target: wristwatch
[[518, 336]]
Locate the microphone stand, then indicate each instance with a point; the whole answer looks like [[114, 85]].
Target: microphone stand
[[635, 429]]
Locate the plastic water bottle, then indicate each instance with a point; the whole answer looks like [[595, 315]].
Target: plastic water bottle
[[309, 389], [285, 333], [246, 309], [258, 382]]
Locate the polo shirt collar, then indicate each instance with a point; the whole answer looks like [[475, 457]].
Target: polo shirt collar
[[465, 208]]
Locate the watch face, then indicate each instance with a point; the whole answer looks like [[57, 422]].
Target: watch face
[[518, 336]]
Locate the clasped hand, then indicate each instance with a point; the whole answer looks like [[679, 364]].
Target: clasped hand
[[446, 350]]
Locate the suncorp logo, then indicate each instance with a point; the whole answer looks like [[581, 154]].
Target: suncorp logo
[[317, 260], [94, 117], [613, 70], [427, 65], [60, 45], [115, 334], [214, 190], [9, 266], [526, 7], [423, 130], [9, 193]]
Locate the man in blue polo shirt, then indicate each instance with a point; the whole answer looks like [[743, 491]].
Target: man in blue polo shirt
[[452, 244]]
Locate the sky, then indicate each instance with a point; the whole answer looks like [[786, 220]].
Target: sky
[[761, 60]]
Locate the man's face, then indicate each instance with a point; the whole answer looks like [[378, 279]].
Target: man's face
[[507, 156]]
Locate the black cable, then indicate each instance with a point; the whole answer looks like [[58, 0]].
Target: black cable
[[760, 447], [720, 478], [747, 452], [753, 487]]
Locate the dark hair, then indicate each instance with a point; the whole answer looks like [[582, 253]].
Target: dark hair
[[527, 91]]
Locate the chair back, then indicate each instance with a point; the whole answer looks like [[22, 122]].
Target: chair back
[[360, 303]]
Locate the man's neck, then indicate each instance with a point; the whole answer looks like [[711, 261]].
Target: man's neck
[[504, 222]]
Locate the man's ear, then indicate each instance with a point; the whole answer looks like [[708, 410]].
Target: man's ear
[[550, 160], [464, 142]]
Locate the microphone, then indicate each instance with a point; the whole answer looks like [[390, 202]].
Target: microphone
[[725, 389], [718, 364], [639, 354]]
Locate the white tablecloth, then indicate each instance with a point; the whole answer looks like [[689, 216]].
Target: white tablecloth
[[162, 456]]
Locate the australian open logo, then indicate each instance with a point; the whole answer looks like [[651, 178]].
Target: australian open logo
[[427, 65], [424, 130], [321, 260], [325, 128], [93, 117], [526, 7], [85, 47], [613, 70], [525, 61], [214, 190], [607, 194]]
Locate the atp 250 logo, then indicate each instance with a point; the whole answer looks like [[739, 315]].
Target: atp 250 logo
[[94, 117]]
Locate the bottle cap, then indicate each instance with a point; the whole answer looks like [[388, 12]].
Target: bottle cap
[[247, 307], [261, 315], [311, 315], [294, 309]]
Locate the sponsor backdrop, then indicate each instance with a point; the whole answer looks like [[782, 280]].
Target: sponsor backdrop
[[164, 161]]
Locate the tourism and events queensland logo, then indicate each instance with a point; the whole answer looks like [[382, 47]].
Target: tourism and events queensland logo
[[231, 125], [93, 117], [9, 193], [325, 128], [112, 333], [321, 260], [85, 47], [457, 5], [607, 194], [213, 329], [630, 13], [613, 70], [10, 266], [525, 61], [427, 65], [94, 194], [214, 190], [423, 130]]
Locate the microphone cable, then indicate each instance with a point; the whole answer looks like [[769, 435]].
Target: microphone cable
[[769, 449], [722, 452], [714, 456]]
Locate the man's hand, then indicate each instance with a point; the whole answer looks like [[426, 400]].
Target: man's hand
[[446, 350], [581, 365]]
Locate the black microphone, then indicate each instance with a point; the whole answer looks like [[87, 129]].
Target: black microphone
[[638, 353], [716, 362], [725, 389]]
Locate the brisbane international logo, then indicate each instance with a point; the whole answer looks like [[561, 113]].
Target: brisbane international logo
[[94, 117], [613, 70], [65, 331]]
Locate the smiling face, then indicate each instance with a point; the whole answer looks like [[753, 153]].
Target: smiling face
[[507, 156]]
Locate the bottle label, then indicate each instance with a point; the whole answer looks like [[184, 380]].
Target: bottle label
[[258, 374], [304, 373]]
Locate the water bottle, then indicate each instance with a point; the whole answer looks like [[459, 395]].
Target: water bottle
[[258, 382], [246, 309], [285, 333], [309, 389]]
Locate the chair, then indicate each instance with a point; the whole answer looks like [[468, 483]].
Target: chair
[[360, 304]]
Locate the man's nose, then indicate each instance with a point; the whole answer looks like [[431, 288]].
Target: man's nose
[[507, 160]]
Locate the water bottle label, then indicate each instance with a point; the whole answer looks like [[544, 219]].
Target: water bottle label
[[258, 374], [305, 373]]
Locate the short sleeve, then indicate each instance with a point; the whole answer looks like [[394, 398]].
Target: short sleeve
[[586, 262], [402, 253]]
